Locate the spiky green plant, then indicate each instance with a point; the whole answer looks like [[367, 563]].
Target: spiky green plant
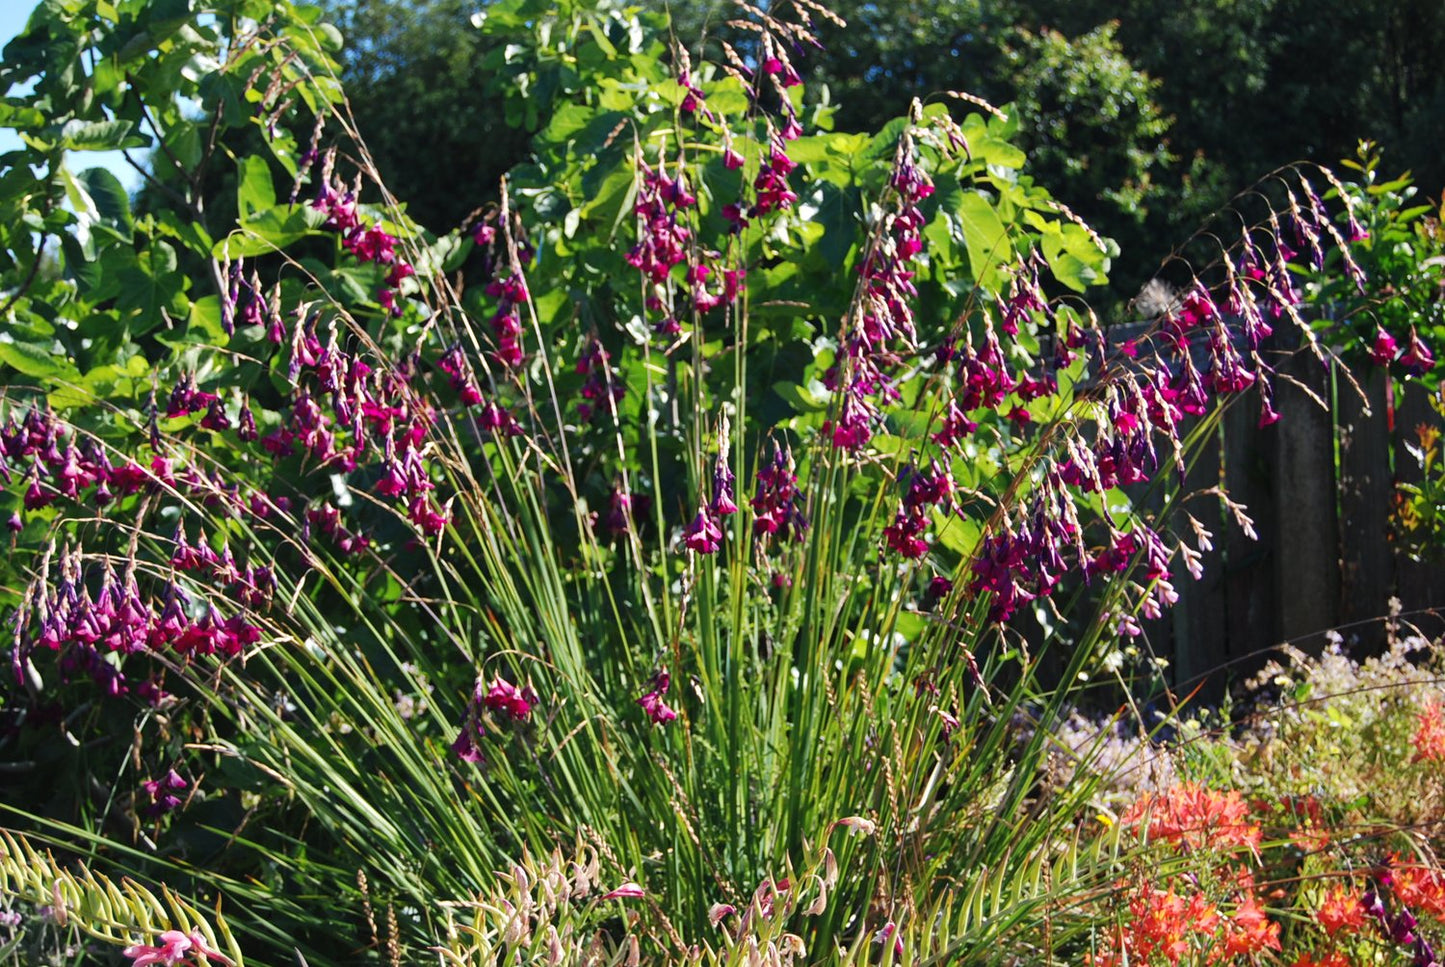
[[124, 915], [707, 705]]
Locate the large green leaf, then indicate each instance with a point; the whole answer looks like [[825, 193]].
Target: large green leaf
[[255, 191], [205, 320], [153, 288], [112, 204], [985, 238], [32, 359], [100, 136], [267, 232], [1074, 259], [185, 230]]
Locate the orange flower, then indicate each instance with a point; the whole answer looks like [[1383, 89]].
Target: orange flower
[[1310, 835], [1429, 738], [1341, 910], [1420, 888], [1332, 959], [1249, 931], [1163, 921], [1195, 816]]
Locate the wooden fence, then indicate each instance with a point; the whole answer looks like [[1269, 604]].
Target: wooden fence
[[1319, 486]]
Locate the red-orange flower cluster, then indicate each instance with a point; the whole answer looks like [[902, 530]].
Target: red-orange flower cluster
[[1247, 932], [1429, 739], [1161, 923], [1421, 888], [1197, 817], [1332, 959], [1341, 910]]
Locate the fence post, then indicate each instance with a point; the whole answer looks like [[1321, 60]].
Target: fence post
[[1306, 569], [1365, 493], [1420, 586], [1198, 616], [1251, 582]]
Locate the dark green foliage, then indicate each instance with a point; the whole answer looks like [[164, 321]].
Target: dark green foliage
[[1108, 91], [418, 78], [1142, 116], [1087, 115]]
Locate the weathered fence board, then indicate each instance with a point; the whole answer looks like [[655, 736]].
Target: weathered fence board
[[1252, 581], [1366, 490], [1320, 485], [1305, 517], [1198, 617], [1420, 587]]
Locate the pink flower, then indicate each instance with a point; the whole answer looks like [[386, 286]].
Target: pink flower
[[653, 704], [426, 516], [890, 932], [1383, 352], [627, 891], [175, 947], [719, 912], [371, 245], [1417, 355], [775, 505], [703, 534], [468, 743], [505, 697], [163, 793]]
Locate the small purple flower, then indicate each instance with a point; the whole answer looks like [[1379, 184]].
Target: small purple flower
[[511, 295], [662, 237], [703, 535], [723, 502], [503, 696], [1373, 905], [425, 515], [246, 428], [216, 418], [1384, 350], [1402, 927], [163, 793], [776, 510], [601, 384], [925, 489], [1354, 231], [938, 589], [956, 426], [468, 743], [890, 932], [855, 422], [624, 508], [771, 181], [1417, 356], [1268, 415], [652, 703]]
